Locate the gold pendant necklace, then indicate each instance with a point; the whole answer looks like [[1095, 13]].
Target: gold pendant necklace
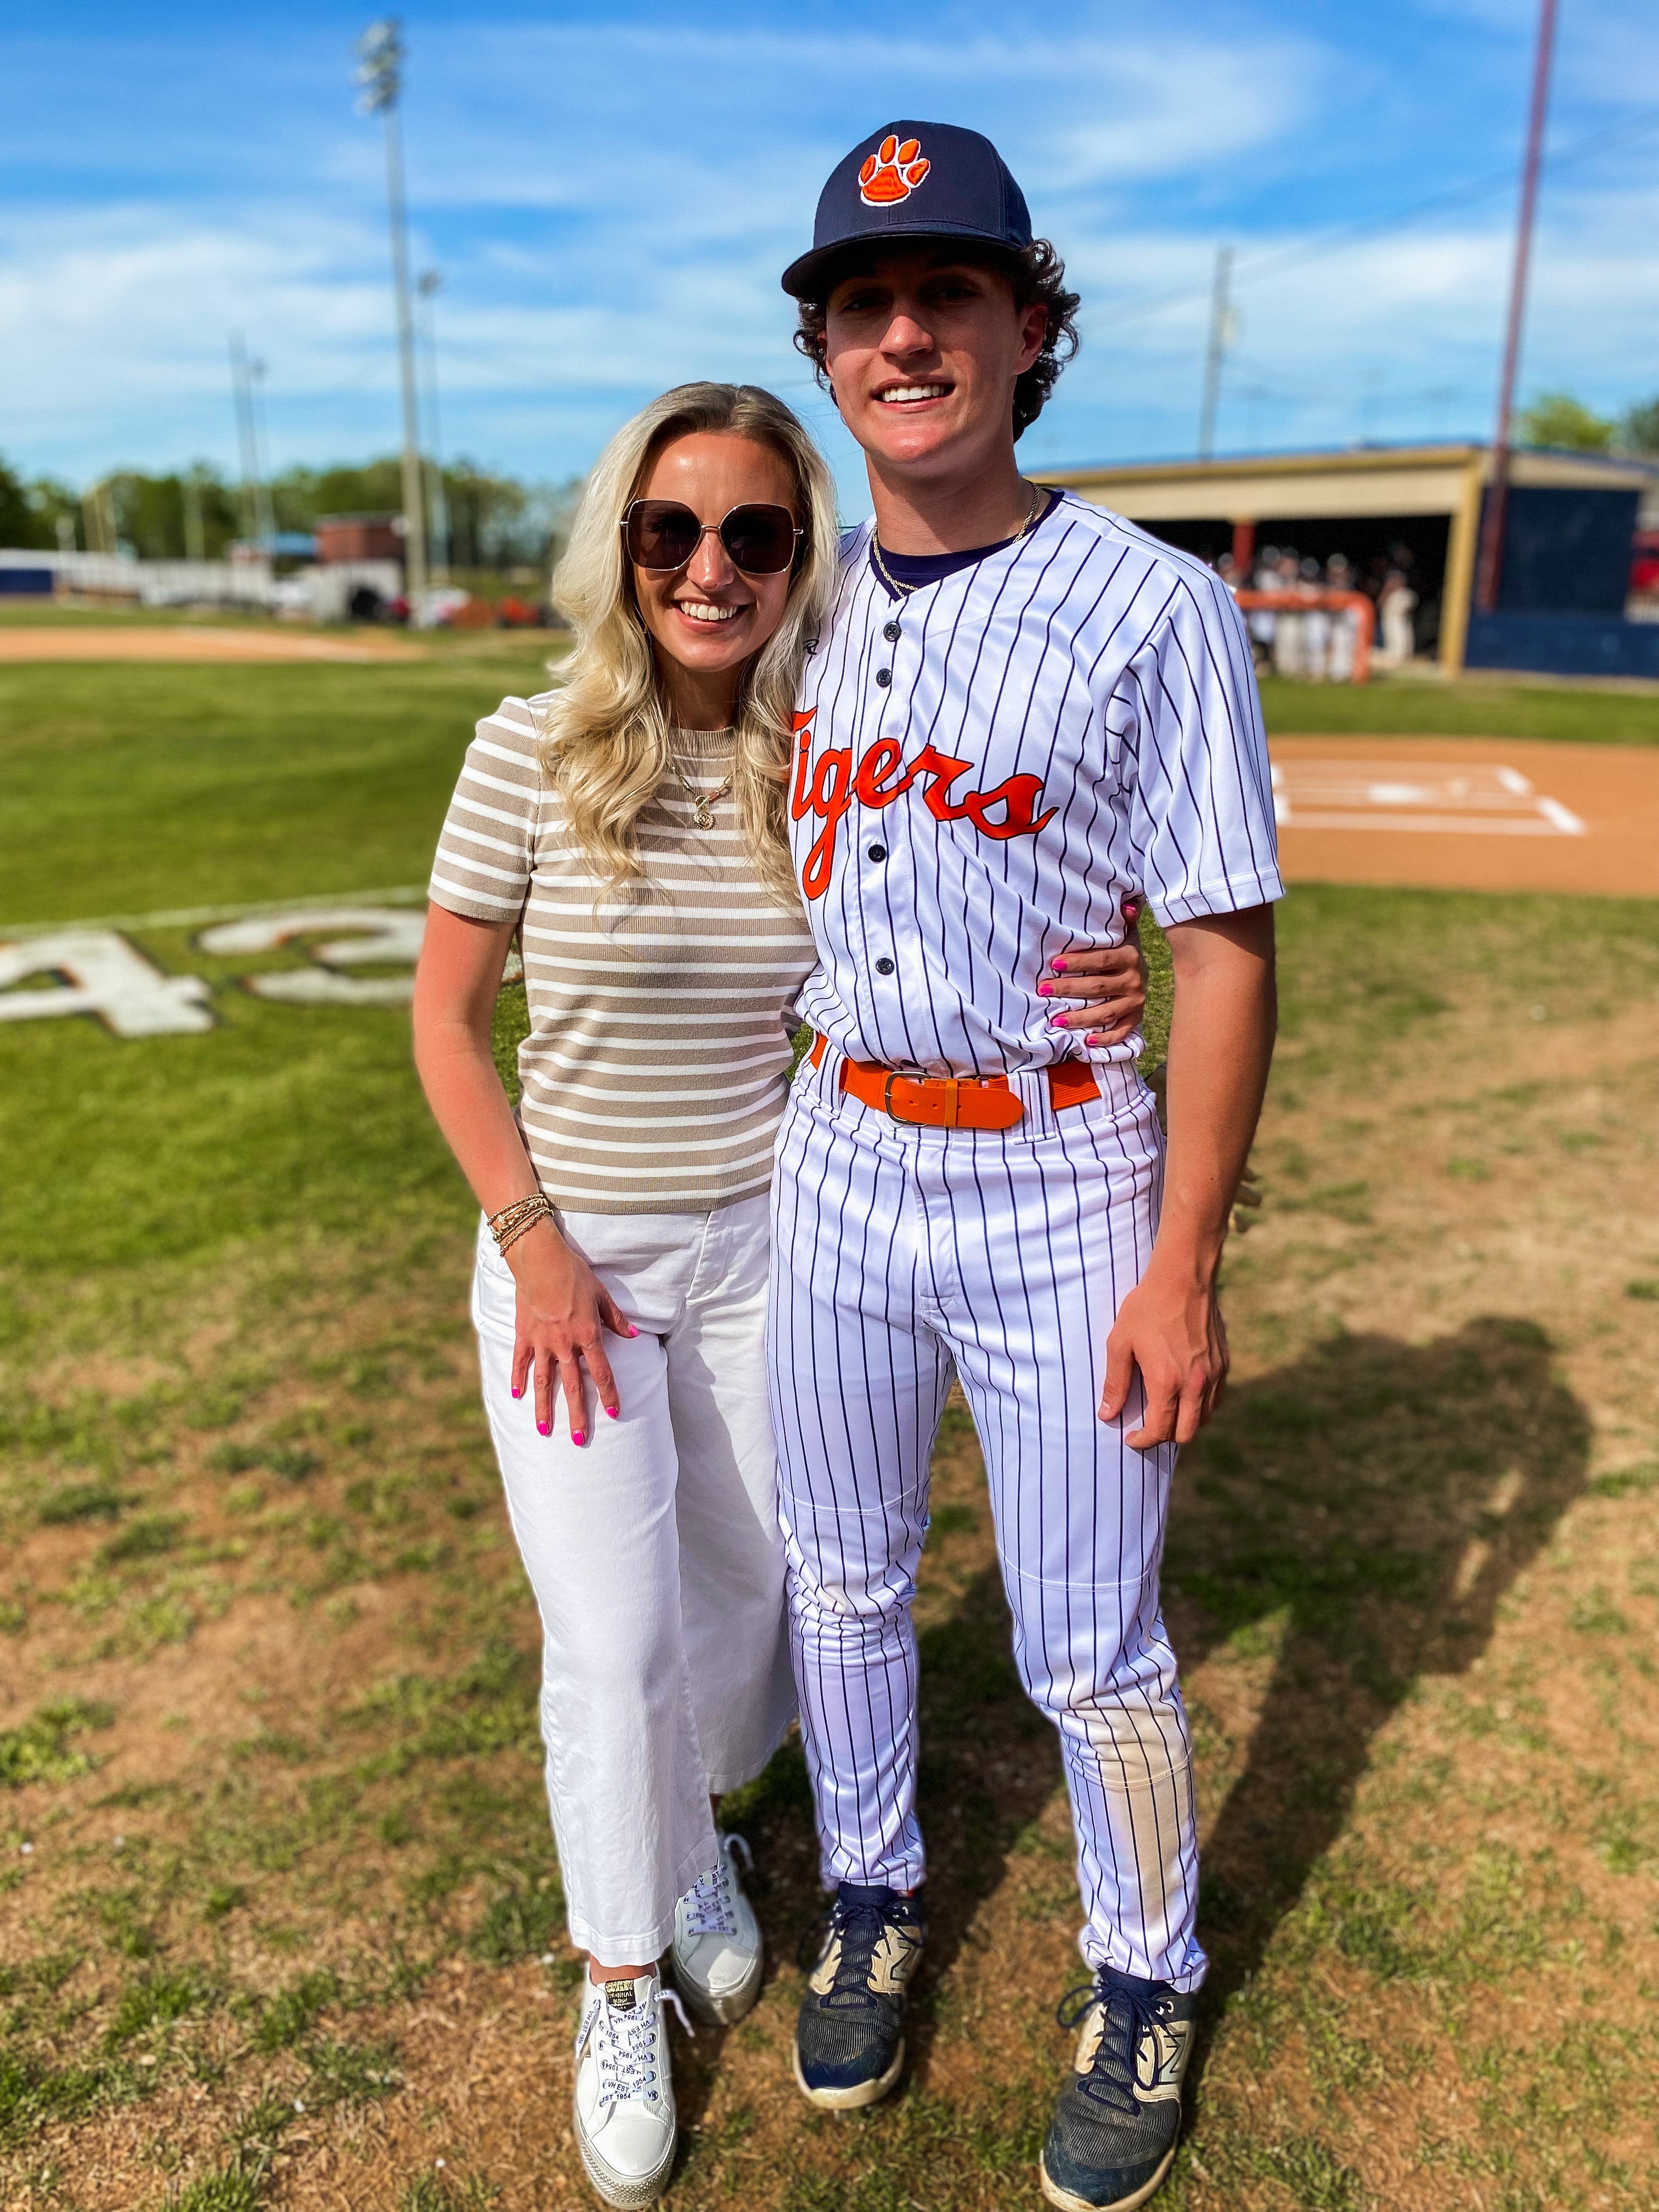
[[703, 802]]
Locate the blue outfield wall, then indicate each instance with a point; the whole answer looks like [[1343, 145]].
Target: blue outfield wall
[[1563, 644]]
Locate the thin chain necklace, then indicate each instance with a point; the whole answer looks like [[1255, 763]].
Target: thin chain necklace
[[703, 802], [905, 590]]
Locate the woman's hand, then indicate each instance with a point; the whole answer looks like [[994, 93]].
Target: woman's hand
[[564, 1310], [1110, 982]]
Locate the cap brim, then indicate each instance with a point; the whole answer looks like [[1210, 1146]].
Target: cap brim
[[803, 278]]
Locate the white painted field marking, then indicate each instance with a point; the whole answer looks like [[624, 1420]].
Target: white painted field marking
[[1420, 795], [197, 917], [100, 973], [380, 935]]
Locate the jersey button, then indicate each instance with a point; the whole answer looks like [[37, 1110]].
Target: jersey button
[[883, 966], [883, 677], [890, 632], [879, 852]]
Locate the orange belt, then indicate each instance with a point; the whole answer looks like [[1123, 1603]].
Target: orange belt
[[950, 1102]]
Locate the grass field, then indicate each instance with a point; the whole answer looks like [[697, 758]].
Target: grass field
[[280, 1921]]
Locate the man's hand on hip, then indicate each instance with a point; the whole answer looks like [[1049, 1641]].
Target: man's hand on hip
[[1172, 1332]]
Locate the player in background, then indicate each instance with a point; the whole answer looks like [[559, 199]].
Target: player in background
[[1022, 710]]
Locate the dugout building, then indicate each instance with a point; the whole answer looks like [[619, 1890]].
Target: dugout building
[[1572, 521]]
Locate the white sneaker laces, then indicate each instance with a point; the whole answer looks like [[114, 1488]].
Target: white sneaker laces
[[625, 2048], [711, 1910]]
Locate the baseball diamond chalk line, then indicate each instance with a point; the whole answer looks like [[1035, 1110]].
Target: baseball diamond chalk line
[[1473, 814], [1435, 796]]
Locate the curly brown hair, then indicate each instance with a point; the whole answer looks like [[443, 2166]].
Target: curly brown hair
[[1036, 273]]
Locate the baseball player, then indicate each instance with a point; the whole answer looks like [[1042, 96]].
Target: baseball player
[[1023, 710]]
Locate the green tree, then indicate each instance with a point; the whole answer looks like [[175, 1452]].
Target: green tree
[[1638, 433], [16, 516], [49, 500], [150, 512], [1556, 418]]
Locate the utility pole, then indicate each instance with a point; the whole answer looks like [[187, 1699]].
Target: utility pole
[[1222, 331], [429, 286], [264, 512], [195, 535], [248, 444], [380, 51], [1490, 569]]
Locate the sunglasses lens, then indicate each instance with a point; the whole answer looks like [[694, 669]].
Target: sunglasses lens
[[661, 533], [761, 540]]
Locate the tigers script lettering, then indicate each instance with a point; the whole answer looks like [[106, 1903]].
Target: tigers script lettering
[[828, 786]]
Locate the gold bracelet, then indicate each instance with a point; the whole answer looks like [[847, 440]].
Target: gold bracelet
[[511, 1222], [517, 1210]]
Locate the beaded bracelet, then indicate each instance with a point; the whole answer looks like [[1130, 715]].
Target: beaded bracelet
[[511, 1223]]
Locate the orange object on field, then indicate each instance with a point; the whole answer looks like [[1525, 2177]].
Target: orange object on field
[[1299, 602]]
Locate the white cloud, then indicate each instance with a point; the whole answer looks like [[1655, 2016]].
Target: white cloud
[[611, 205]]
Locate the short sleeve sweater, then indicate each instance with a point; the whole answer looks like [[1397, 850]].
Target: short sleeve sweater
[[654, 1074]]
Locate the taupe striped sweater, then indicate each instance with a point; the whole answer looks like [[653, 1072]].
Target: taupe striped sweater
[[654, 1073]]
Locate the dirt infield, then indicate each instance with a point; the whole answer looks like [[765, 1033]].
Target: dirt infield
[[188, 642], [1490, 814]]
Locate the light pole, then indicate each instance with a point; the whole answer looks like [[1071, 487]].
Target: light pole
[[380, 55], [428, 285], [241, 389], [1490, 570], [261, 500], [1223, 330]]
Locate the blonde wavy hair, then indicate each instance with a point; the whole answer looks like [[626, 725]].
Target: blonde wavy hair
[[605, 734]]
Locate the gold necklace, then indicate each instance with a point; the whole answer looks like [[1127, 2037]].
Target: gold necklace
[[905, 590], [703, 802]]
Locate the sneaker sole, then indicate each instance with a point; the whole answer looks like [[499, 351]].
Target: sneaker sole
[[725, 2010], [1069, 2201], [616, 2189], [861, 2093]]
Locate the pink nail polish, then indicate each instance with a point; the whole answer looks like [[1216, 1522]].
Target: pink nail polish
[[632, 1331], [517, 1392], [578, 1436], [1056, 1021], [542, 1428], [613, 1413], [1059, 967], [1045, 990]]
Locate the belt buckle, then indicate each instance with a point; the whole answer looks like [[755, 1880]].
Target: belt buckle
[[952, 1088]]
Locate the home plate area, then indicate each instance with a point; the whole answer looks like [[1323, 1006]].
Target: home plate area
[[1469, 813]]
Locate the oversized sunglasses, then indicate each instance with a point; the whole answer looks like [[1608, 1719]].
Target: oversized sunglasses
[[662, 534]]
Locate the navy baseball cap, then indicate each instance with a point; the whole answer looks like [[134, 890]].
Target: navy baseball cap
[[914, 181]]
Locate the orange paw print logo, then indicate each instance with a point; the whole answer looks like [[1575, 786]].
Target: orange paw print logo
[[892, 171]]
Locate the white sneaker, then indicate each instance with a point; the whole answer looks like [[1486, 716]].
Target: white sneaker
[[716, 1950], [624, 2099]]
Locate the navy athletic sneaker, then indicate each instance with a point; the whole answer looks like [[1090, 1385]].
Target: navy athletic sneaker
[[1112, 2139], [849, 2039]]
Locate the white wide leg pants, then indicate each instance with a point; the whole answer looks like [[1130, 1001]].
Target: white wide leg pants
[[901, 1253], [656, 1559]]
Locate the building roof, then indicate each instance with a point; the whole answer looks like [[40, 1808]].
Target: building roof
[[1355, 480]]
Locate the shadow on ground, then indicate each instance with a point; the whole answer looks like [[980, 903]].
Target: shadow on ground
[[1365, 1509]]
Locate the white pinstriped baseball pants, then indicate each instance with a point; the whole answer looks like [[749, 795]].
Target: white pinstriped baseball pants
[[898, 1254]]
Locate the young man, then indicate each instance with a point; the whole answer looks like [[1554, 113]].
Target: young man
[[1023, 711]]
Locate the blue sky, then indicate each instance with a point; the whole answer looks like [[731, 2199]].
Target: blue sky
[[610, 192]]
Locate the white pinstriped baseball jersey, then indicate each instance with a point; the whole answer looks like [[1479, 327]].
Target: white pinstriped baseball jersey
[[985, 770]]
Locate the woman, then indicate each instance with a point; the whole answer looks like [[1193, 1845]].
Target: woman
[[631, 827]]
